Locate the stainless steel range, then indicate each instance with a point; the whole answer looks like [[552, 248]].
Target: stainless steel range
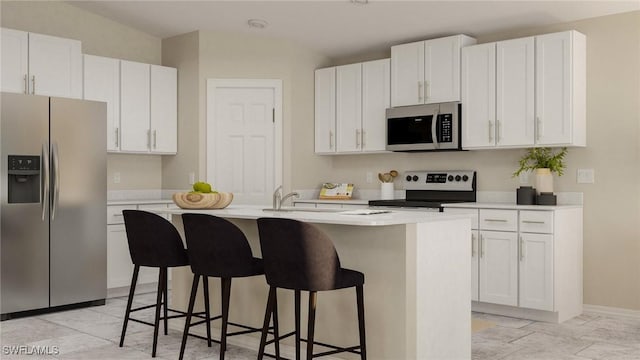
[[429, 189]]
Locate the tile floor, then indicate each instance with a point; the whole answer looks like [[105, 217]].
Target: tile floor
[[93, 333]]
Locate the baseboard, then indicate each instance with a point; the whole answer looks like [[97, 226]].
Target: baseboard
[[607, 310]]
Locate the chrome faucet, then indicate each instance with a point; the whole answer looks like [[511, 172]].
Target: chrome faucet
[[278, 199]]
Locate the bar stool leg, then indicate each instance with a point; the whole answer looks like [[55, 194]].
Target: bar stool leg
[[363, 341], [297, 320], [166, 300], [187, 323], [156, 324], [132, 289], [312, 323], [225, 286], [276, 328], [265, 324], [207, 311]]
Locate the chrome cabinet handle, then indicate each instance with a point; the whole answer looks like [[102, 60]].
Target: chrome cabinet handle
[[364, 137], [420, 92], [357, 138], [481, 246], [33, 85], [155, 139], [497, 131], [521, 249], [538, 128], [26, 84], [490, 131], [532, 222], [55, 165], [149, 138], [45, 178], [118, 214], [496, 220], [473, 245], [117, 137], [330, 139], [427, 91], [434, 124]]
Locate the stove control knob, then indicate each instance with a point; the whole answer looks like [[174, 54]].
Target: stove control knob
[[458, 177], [408, 177], [465, 177], [450, 178], [415, 177]]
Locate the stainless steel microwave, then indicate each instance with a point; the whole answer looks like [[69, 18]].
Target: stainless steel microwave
[[433, 127]]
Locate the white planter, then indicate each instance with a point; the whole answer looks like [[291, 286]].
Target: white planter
[[386, 191], [544, 180]]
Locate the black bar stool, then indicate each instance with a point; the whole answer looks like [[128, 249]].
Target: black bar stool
[[217, 248], [298, 256], [153, 242]]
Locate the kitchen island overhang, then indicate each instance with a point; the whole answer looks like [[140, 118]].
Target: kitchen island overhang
[[417, 283]]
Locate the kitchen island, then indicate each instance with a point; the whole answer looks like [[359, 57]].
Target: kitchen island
[[417, 283]]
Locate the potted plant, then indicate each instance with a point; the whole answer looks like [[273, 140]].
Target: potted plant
[[545, 162]]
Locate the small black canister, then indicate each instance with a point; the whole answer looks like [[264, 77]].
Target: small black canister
[[526, 195]]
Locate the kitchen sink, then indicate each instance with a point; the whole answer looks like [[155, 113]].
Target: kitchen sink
[[301, 209]]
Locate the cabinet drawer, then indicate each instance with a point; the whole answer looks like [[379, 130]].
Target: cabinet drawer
[[114, 213], [536, 222], [152, 207], [500, 220], [472, 212]]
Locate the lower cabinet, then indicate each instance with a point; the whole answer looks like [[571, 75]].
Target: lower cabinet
[[498, 267], [536, 271], [475, 265]]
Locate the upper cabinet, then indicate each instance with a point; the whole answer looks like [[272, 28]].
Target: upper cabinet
[[350, 107], [141, 103], [525, 92], [41, 64], [428, 71]]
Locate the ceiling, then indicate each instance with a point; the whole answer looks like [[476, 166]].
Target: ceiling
[[342, 28]]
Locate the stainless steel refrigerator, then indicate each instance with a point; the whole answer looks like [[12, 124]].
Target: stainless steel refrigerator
[[53, 204]]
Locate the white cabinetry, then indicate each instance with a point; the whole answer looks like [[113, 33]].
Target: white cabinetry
[[475, 247], [359, 95], [325, 110], [428, 71], [525, 92], [498, 267], [102, 83], [536, 260], [41, 64], [164, 109], [135, 98]]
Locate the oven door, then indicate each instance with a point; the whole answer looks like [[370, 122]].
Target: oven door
[[423, 128]]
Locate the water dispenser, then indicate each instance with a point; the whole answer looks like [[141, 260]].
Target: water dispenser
[[24, 179]]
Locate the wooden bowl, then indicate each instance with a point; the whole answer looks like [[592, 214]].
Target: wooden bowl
[[202, 201]]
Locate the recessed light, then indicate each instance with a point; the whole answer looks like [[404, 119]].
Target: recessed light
[[257, 23]]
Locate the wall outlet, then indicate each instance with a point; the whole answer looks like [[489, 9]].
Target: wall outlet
[[369, 177], [116, 178], [586, 176], [523, 178], [192, 178]]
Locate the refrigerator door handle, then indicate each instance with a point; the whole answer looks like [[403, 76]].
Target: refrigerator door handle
[[55, 166], [45, 179]]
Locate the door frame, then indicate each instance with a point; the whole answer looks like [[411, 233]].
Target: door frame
[[276, 85]]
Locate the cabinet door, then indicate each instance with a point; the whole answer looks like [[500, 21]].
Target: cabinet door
[[134, 106], [119, 265], [102, 83], [376, 98], [475, 237], [442, 70], [349, 108], [478, 96], [536, 271], [407, 74], [55, 66], [325, 110], [499, 267], [15, 52], [553, 89], [164, 109], [515, 116]]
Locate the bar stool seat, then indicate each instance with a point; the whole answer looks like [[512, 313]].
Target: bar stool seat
[[298, 256], [153, 242], [217, 248]]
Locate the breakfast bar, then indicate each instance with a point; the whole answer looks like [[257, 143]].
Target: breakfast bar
[[416, 291]]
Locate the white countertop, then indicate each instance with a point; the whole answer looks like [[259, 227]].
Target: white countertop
[[140, 201], [509, 206], [323, 201], [335, 217]]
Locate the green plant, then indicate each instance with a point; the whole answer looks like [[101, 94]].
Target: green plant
[[539, 158]]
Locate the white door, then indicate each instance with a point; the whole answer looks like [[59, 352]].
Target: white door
[[349, 108], [474, 264], [243, 138], [536, 271], [499, 267], [55, 66], [164, 109], [515, 112], [102, 83], [478, 96], [553, 88], [407, 74], [376, 98], [442, 70], [325, 110], [15, 58], [134, 106]]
